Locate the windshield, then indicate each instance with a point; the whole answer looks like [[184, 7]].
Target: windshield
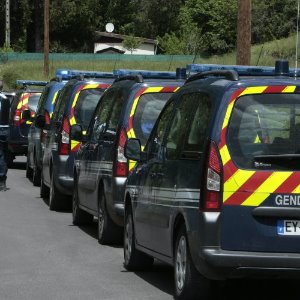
[[147, 111], [264, 132]]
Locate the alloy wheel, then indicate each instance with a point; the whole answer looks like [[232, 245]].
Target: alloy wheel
[[128, 238], [181, 260]]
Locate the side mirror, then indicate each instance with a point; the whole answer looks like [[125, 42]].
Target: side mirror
[[26, 115], [40, 121], [76, 133], [133, 149]]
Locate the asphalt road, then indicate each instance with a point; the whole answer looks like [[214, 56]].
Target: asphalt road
[[43, 256]]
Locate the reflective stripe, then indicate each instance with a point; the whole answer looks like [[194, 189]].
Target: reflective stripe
[[266, 188]]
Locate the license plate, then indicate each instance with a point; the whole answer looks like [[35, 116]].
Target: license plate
[[288, 227]]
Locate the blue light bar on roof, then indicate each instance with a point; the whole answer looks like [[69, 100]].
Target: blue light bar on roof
[[66, 74], [145, 73], [31, 82], [241, 70]]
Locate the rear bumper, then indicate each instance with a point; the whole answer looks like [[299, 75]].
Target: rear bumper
[[115, 199], [63, 177], [222, 264]]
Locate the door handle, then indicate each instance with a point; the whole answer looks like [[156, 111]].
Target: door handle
[[157, 175]]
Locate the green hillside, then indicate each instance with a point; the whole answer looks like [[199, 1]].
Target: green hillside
[[264, 54]]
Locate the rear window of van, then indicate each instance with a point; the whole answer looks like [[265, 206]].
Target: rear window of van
[[85, 106], [264, 132], [146, 113]]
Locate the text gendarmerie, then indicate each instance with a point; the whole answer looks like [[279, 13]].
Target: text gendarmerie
[[287, 200]]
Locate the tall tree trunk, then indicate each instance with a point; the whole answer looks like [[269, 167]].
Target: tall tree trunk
[[243, 54], [38, 25]]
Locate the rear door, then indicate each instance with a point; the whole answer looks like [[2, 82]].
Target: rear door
[[260, 150], [91, 156]]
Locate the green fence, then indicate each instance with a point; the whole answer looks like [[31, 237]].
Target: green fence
[[14, 56]]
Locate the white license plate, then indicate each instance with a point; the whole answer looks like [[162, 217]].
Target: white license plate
[[288, 227]]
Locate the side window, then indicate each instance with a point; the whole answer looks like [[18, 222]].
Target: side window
[[99, 121], [62, 101], [179, 125], [115, 113], [197, 133], [156, 140], [41, 104]]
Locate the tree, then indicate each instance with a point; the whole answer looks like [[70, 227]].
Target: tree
[[214, 21], [243, 56], [131, 43]]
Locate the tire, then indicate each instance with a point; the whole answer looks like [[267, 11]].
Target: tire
[[134, 260], [189, 283], [36, 175], [29, 171], [80, 217], [10, 159], [56, 199], [108, 232], [44, 190]]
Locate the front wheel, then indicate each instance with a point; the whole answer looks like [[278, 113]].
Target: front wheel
[[29, 171], [36, 175], [44, 190], [133, 258], [108, 231], [80, 217], [56, 199], [189, 283]]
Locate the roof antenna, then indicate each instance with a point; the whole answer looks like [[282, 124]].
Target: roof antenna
[[297, 38]]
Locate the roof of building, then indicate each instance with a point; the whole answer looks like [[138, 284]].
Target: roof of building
[[111, 50]]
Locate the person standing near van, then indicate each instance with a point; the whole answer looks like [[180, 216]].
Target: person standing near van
[[4, 130]]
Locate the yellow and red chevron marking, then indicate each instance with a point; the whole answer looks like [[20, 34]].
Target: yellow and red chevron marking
[[247, 187], [75, 145], [142, 91], [81, 88]]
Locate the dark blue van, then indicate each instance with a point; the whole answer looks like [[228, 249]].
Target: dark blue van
[[36, 135], [26, 99], [75, 105], [216, 191]]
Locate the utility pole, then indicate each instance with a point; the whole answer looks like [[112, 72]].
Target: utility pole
[[46, 38], [243, 54], [7, 23]]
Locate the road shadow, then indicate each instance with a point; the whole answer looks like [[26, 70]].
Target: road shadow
[[248, 289], [17, 165], [92, 231], [160, 276]]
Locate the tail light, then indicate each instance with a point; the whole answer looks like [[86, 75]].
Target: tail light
[[64, 145], [212, 196], [44, 131], [121, 164], [17, 117]]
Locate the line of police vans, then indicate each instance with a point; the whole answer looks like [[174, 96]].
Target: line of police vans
[[202, 172]]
